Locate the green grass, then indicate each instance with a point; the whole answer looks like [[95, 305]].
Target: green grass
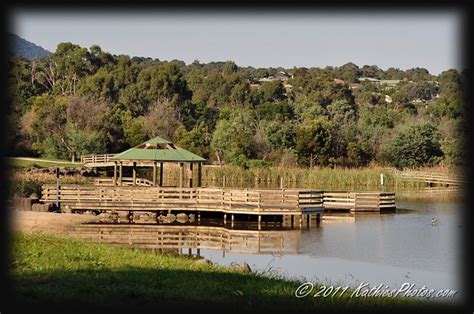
[[53, 271], [18, 162]]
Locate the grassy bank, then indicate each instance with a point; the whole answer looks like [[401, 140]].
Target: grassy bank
[[20, 162], [54, 271]]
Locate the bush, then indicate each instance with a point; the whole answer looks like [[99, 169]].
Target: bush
[[413, 146]]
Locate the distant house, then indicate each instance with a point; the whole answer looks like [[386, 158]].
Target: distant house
[[281, 76], [390, 83], [339, 81], [369, 79], [354, 85]]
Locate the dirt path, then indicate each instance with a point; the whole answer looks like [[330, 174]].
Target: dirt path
[[53, 223], [45, 160]]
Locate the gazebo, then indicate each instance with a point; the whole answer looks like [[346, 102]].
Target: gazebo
[[149, 154]]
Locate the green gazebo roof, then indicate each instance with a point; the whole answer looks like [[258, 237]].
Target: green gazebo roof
[[158, 149]]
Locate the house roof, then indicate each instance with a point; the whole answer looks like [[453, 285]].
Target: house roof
[[158, 149], [361, 79], [389, 81]]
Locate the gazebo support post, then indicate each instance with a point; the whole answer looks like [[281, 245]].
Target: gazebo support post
[[181, 174], [120, 173], [134, 173], [199, 183], [191, 174], [154, 173], [161, 174], [115, 173]]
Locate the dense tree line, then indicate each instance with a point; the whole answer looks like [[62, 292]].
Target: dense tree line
[[80, 101]]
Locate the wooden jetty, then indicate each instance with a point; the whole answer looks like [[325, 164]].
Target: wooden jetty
[[294, 203]]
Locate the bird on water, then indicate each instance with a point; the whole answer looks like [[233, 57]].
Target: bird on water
[[434, 221]]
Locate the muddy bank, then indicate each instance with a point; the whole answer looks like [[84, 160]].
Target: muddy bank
[[51, 223]]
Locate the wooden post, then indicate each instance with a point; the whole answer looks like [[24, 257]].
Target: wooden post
[[281, 182], [181, 174], [154, 173], [115, 173], [224, 182], [259, 222], [199, 174], [134, 173], [161, 173], [58, 187], [120, 173], [191, 174]]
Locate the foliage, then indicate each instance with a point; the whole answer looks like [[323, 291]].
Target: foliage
[[414, 146], [78, 101]]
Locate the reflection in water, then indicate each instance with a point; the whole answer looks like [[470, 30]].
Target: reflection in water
[[188, 237]]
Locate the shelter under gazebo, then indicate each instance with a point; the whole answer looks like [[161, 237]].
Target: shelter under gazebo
[[149, 154]]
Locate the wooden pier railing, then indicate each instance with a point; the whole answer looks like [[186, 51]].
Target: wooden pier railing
[[429, 177], [359, 201], [95, 159], [191, 237], [227, 200], [125, 181], [244, 201]]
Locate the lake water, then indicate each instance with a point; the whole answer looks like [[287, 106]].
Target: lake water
[[389, 249]]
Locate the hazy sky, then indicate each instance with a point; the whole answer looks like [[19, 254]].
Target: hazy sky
[[429, 40]]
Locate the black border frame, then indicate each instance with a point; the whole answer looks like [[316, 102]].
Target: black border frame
[[418, 6]]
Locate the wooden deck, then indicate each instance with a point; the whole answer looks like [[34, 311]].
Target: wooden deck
[[224, 200], [191, 237]]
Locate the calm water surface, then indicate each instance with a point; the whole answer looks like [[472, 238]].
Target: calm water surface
[[388, 249]]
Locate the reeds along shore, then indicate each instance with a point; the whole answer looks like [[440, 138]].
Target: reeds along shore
[[328, 178], [23, 183]]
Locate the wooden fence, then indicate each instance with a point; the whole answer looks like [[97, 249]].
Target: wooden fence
[[429, 177], [125, 181], [227, 200], [244, 201], [359, 201], [94, 159]]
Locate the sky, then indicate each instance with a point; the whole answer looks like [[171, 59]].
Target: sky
[[301, 39]]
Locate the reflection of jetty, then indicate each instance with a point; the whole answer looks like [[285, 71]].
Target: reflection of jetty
[[191, 237]]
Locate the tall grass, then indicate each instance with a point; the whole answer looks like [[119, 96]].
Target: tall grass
[[327, 178], [24, 183]]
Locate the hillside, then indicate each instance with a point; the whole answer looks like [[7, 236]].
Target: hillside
[[23, 48]]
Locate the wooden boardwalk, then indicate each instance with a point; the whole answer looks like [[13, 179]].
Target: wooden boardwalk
[[224, 200]]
